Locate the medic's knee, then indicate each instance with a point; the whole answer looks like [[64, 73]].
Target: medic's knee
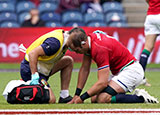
[[52, 100], [69, 60]]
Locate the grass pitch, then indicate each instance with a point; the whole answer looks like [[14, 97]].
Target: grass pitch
[[153, 78]]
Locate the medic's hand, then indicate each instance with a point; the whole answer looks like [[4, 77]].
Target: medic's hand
[[34, 79]]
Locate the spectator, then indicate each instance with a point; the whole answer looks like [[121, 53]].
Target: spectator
[[70, 4], [94, 6], [34, 21]]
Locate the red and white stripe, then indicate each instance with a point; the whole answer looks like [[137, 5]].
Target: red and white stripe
[[82, 111]]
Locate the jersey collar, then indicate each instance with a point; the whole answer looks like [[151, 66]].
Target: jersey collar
[[89, 42], [65, 35]]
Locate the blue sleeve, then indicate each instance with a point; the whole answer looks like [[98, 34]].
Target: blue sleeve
[[51, 46]]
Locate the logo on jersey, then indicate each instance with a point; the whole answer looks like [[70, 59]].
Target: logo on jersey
[[47, 47]]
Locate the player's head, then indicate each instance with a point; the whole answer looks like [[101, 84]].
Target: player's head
[[77, 39], [77, 35]]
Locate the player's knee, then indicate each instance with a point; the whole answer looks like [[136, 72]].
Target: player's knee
[[94, 99], [106, 95], [103, 98]]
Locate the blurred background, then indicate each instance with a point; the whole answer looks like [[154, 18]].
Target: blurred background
[[23, 21], [60, 13]]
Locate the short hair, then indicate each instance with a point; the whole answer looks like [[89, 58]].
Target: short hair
[[78, 35], [77, 29]]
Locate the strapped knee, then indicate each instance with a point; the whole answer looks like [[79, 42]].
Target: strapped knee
[[109, 90]]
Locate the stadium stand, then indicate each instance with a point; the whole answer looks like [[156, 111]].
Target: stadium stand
[[112, 7], [47, 7], [83, 8], [51, 1], [53, 24], [51, 16], [93, 17], [91, 7], [19, 11], [115, 17], [71, 16], [9, 1], [75, 24], [96, 24], [24, 6], [8, 16], [7, 7], [10, 25], [118, 24], [23, 16]]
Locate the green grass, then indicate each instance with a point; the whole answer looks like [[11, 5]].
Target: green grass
[[152, 65], [9, 66], [153, 78], [76, 65]]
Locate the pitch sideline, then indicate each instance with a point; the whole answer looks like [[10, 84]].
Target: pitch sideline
[[81, 111]]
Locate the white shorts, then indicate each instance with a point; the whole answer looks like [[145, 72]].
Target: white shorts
[[152, 24], [130, 77]]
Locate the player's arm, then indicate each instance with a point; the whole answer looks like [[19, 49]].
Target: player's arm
[[84, 71], [102, 82], [103, 73], [82, 77]]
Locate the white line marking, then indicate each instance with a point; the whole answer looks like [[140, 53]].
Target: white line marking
[[82, 111]]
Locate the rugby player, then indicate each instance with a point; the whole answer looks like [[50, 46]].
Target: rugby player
[[152, 30], [109, 55]]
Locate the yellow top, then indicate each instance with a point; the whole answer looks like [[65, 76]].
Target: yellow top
[[46, 63]]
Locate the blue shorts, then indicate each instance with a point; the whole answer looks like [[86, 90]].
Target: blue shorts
[[26, 72]]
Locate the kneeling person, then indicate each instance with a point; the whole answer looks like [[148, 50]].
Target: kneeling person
[[109, 55], [44, 57]]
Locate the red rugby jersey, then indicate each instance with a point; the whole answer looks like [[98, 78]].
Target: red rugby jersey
[[108, 52], [154, 7]]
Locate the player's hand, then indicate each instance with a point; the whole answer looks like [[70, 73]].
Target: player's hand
[[34, 79], [78, 100], [72, 101]]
